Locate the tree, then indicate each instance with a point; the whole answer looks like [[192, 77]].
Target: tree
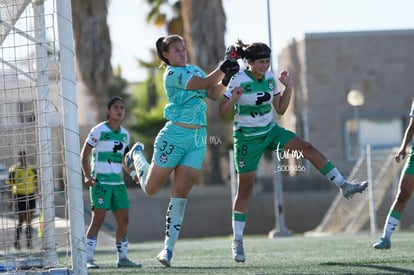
[[93, 49]]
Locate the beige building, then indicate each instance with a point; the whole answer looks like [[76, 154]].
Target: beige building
[[326, 67]]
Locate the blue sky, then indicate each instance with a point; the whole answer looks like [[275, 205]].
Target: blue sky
[[133, 38]]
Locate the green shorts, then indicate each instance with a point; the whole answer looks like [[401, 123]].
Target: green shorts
[[249, 149], [109, 197], [176, 145], [409, 164]]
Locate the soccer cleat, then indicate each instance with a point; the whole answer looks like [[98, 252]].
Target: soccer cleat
[[238, 251], [138, 146], [164, 257], [383, 243], [91, 264], [349, 189], [127, 263], [139, 163]]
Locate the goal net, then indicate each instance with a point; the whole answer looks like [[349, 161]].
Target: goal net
[[38, 115]]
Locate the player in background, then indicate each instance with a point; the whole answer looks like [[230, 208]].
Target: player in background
[[23, 180], [405, 186], [180, 145], [251, 94], [102, 163]]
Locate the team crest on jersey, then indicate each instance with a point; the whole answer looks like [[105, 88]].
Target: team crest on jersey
[[270, 84], [242, 164], [163, 158], [100, 200]]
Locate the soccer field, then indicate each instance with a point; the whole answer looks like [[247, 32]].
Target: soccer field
[[286, 255]]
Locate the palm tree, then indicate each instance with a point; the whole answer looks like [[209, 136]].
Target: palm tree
[[93, 49]]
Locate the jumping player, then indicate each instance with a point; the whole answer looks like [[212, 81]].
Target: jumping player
[[180, 145], [252, 93]]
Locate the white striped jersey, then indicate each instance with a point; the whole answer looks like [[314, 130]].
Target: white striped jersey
[[108, 151], [253, 110]]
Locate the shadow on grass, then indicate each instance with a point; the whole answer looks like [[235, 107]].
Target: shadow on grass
[[383, 268]]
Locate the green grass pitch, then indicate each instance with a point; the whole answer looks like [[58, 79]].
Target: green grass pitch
[[340, 254]]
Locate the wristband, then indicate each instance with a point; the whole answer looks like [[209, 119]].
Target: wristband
[[133, 174]]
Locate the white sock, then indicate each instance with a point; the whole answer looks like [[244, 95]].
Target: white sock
[[336, 177], [122, 248], [329, 170], [142, 167], [90, 247], [391, 223], [238, 224]]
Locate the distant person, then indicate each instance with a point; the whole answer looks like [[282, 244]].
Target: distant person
[[251, 94], [106, 144], [180, 146], [405, 187], [23, 181]]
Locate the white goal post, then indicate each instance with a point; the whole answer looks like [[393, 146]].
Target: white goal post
[[38, 114]]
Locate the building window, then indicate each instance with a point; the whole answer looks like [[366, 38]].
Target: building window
[[26, 111], [377, 132]]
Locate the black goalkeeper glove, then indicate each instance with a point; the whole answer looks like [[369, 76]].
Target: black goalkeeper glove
[[228, 66], [231, 53], [229, 74]]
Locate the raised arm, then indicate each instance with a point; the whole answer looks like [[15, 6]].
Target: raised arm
[[282, 100]]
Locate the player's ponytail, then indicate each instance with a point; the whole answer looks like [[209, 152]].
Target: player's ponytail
[[253, 51], [162, 44], [241, 48], [160, 49]]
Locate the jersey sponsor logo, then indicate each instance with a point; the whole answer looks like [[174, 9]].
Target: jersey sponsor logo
[[262, 97], [117, 146]]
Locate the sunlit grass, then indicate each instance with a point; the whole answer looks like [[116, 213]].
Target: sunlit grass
[[340, 254]]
